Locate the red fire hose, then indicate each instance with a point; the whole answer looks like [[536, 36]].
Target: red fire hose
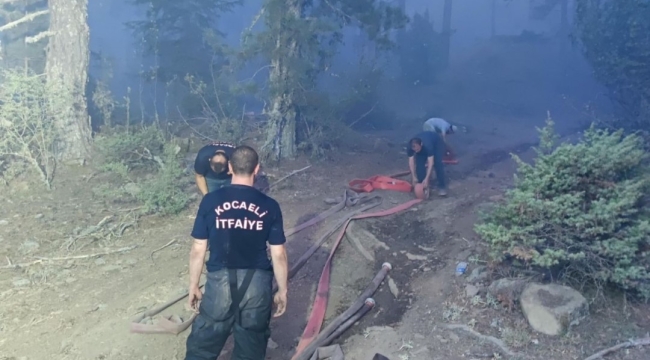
[[175, 325], [322, 293], [341, 322]]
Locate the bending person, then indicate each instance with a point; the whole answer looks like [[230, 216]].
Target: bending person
[[443, 128], [425, 152], [211, 167]]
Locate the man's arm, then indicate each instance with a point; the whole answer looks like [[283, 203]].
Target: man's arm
[[200, 233], [280, 267], [444, 141], [197, 260], [201, 168], [412, 167], [429, 168], [449, 150], [201, 183], [276, 243]]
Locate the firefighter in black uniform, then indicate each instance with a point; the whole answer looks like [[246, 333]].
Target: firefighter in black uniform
[[237, 222]]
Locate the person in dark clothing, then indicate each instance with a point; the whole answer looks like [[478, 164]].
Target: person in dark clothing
[[425, 152], [211, 166], [237, 222]]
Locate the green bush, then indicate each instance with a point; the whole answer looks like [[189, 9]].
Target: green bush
[[135, 147], [28, 133], [581, 209], [163, 193], [143, 168]]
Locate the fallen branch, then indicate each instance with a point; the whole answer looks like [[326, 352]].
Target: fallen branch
[[87, 232], [286, 177], [491, 339], [41, 260], [364, 115], [628, 344], [92, 176], [162, 247]]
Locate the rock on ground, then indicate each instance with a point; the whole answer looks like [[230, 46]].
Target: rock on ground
[[507, 290], [551, 309], [478, 274], [471, 290]]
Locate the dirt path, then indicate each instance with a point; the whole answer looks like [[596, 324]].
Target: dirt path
[[80, 309], [431, 296]]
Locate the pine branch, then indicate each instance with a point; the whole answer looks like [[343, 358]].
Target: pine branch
[[8, 2], [24, 19], [38, 37]]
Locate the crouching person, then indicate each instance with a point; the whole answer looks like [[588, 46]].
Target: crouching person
[[425, 152], [237, 223]]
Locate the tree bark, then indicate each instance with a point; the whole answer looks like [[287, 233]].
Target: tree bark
[[281, 129], [282, 116], [67, 70], [446, 32]]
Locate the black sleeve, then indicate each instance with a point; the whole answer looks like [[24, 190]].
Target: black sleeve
[[276, 233], [202, 162]]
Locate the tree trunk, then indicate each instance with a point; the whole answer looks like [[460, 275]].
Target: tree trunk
[[281, 128], [446, 33], [282, 116], [67, 70]]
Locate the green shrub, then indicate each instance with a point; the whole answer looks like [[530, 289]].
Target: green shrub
[[164, 193], [143, 168], [580, 208], [28, 132], [135, 147]]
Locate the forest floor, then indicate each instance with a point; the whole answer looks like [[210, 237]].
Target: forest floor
[[76, 307], [80, 308]]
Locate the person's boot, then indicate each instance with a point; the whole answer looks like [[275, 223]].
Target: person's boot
[[442, 192]]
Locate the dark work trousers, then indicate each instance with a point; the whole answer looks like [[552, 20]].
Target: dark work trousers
[[216, 184], [438, 165], [217, 319]]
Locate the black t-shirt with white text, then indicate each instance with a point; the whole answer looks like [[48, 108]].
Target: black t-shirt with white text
[[202, 162], [429, 142], [238, 221]]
